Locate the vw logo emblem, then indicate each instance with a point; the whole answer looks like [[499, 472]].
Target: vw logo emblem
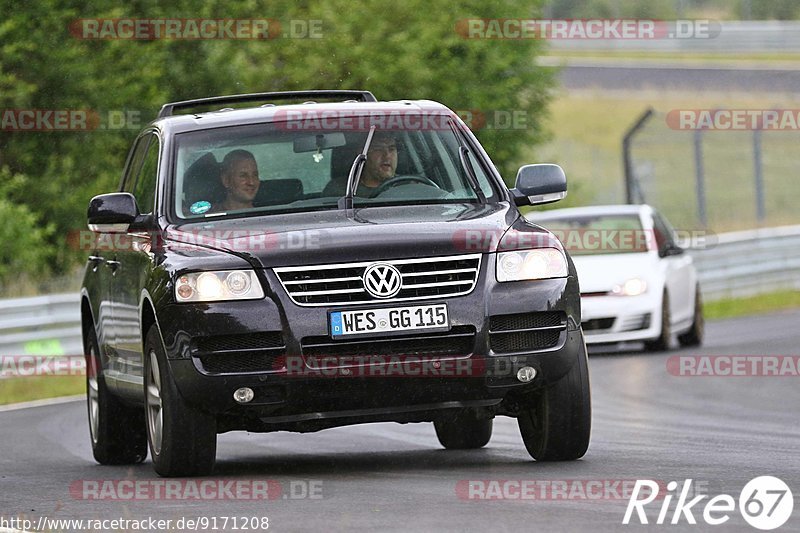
[[382, 280]]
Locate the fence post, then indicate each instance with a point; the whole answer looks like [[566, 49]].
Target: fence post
[[761, 213], [700, 184], [631, 183]]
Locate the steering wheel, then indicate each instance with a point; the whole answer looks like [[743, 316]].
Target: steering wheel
[[399, 180]]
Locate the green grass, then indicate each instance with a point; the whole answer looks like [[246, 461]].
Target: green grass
[[764, 303], [24, 389]]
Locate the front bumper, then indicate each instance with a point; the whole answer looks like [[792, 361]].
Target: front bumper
[[610, 319], [317, 401], [298, 394]]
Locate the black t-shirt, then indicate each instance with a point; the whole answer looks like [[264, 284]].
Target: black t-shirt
[[336, 188]]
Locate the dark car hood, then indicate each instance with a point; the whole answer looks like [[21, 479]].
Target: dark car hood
[[365, 234]]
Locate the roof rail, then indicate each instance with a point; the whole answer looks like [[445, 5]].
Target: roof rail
[[167, 110]]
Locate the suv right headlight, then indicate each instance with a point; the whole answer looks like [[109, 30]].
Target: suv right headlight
[[217, 286]]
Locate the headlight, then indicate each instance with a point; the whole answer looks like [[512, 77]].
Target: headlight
[[216, 286], [540, 263], [632, 287]]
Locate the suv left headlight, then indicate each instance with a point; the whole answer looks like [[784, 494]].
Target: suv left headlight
[[539, 263], [218, 286]]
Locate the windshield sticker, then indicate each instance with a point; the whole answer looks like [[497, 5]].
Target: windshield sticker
[[198, 208]]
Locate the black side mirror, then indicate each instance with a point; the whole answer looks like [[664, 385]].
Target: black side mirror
[[112, 213], [670, 249], [539, 184]]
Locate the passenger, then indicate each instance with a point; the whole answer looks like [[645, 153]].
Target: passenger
[[240, 179]]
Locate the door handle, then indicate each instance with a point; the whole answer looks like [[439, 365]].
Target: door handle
[[113, 265]]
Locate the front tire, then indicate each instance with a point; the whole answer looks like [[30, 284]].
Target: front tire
[[463, 431], [117, 431], [661, 343], [556, 426], [694, 337], [182, 439]]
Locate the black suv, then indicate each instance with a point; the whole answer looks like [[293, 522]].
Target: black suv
[[317, 259]]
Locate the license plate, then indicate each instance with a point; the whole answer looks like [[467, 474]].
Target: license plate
[[366, 321]]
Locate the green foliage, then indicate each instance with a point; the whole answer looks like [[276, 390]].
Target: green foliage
[[25, 248], [405, 50]]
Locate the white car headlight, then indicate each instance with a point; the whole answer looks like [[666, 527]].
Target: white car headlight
[[632, 287], [217, 286], [540, 263]]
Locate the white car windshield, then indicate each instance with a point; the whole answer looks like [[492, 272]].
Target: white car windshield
[[599, 234]]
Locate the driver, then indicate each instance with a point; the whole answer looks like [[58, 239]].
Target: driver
[[381, 163], [380, 166]]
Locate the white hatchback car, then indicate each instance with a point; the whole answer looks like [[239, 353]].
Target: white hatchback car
[[637, 283]]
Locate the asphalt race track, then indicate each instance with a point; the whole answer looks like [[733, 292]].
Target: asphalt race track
[[648, 424]]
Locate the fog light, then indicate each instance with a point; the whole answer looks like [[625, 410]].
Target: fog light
[[526, 374], [243, 395]]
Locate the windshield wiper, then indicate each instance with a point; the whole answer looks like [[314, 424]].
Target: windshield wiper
[[463, 153], [346, 202]]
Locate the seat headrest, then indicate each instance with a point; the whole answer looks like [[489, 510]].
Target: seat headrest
[[202, 181], [278, 192]]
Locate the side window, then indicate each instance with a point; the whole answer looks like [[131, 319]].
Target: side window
[[145, 190], [134, 163]]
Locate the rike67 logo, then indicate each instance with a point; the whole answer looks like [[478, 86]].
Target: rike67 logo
[[765, 503]]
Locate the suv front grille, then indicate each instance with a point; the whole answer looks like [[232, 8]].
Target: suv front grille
[[526, 331], [240, 363], [234, 354], [459, 341], [341, 284]]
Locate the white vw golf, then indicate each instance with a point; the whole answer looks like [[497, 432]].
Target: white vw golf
[[637, 283]]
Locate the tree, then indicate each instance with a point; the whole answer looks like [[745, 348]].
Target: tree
[[397, 50]]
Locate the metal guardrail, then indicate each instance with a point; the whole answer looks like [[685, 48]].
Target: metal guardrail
[[745, 263], [737, 264], [42, 325]]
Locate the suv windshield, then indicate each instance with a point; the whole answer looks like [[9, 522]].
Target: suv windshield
[[284, 167]]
